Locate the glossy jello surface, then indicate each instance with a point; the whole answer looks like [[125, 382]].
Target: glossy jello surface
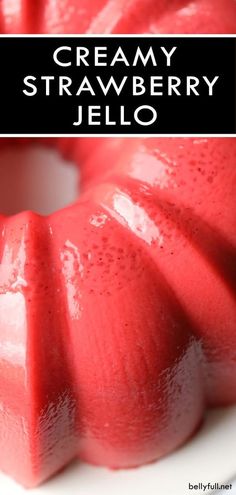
[[117, 314]]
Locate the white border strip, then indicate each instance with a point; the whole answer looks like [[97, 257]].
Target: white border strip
[[118, 135], [147, 35]]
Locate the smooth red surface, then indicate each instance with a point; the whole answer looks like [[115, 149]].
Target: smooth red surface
[[117, 314]]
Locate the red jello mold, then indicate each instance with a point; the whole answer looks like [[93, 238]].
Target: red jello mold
[[117, 314]]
